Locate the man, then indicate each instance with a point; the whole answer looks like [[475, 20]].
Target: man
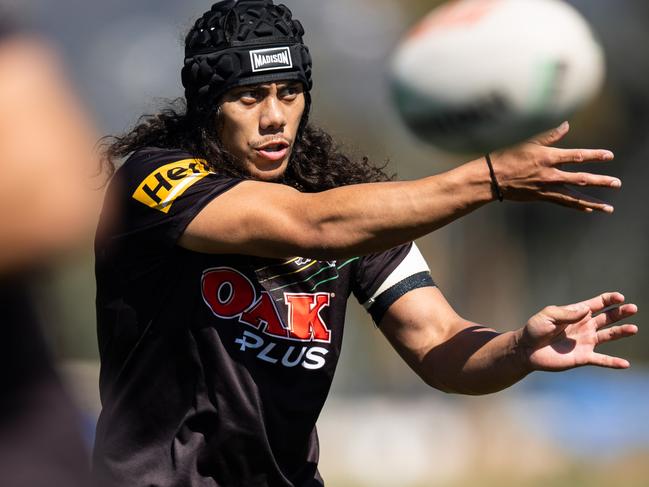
[[236, 234], [46, 159]]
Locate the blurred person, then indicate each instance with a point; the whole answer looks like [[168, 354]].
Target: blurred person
[[46, 159], [235, 234]]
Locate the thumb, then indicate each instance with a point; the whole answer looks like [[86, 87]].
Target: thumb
[[552, 136], [567, 314]]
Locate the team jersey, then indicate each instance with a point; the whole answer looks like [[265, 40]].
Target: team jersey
[[214, 368]]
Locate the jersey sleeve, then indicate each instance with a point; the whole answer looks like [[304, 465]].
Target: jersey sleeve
[[153, 197], [381, 279]]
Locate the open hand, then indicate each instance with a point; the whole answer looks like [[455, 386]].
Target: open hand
[[532, 172], [563, 337]]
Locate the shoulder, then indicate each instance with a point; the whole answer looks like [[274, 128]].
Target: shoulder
[[155, 157], [153, 167], [160, 179]]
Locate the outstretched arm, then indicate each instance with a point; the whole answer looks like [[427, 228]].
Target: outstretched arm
[[273, 220], [454, 355]]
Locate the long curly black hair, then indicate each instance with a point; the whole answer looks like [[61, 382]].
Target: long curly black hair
[[317, 163]]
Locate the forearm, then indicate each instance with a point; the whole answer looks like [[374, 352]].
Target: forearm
[[476, 361], [449, 352], [360, 219]]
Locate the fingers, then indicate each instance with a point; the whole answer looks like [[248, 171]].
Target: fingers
[[602, 360], [562, 315], [588, 179], [532, 172], [571, 198], [604, 300], [568, 156], [615, 333], [552, 136], [614, 315]]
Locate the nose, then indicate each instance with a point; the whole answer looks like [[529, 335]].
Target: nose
[[273, 117]]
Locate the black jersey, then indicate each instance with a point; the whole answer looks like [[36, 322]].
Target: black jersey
[[216, 367]]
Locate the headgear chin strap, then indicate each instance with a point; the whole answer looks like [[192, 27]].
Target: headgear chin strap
[[241, 43]]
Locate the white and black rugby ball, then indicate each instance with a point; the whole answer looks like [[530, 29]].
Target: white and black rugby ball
[[475, 75]]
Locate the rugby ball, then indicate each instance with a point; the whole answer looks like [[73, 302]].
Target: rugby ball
[[476, 75]]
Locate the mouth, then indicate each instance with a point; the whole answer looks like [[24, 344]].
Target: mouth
[[274, 151]]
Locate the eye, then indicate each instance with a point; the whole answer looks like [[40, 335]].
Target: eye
[[248, 96], [290, 92]]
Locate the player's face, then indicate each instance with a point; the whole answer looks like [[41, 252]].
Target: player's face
[[259, 124]]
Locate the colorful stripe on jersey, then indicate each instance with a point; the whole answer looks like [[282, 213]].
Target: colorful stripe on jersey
[[307, 274]]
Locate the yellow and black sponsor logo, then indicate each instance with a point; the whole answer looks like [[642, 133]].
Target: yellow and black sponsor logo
[[167, 183]]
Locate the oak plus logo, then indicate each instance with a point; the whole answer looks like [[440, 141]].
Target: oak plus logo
[[231, 295], [271, 59]]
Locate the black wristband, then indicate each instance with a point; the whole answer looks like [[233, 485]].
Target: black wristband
[[494, 182]]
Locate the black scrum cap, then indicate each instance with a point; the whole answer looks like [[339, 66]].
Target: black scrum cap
[[240, 43]]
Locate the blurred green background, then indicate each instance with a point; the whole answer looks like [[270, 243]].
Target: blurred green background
[[497, 266]]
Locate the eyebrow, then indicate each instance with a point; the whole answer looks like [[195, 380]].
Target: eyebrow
[[266, 86]]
